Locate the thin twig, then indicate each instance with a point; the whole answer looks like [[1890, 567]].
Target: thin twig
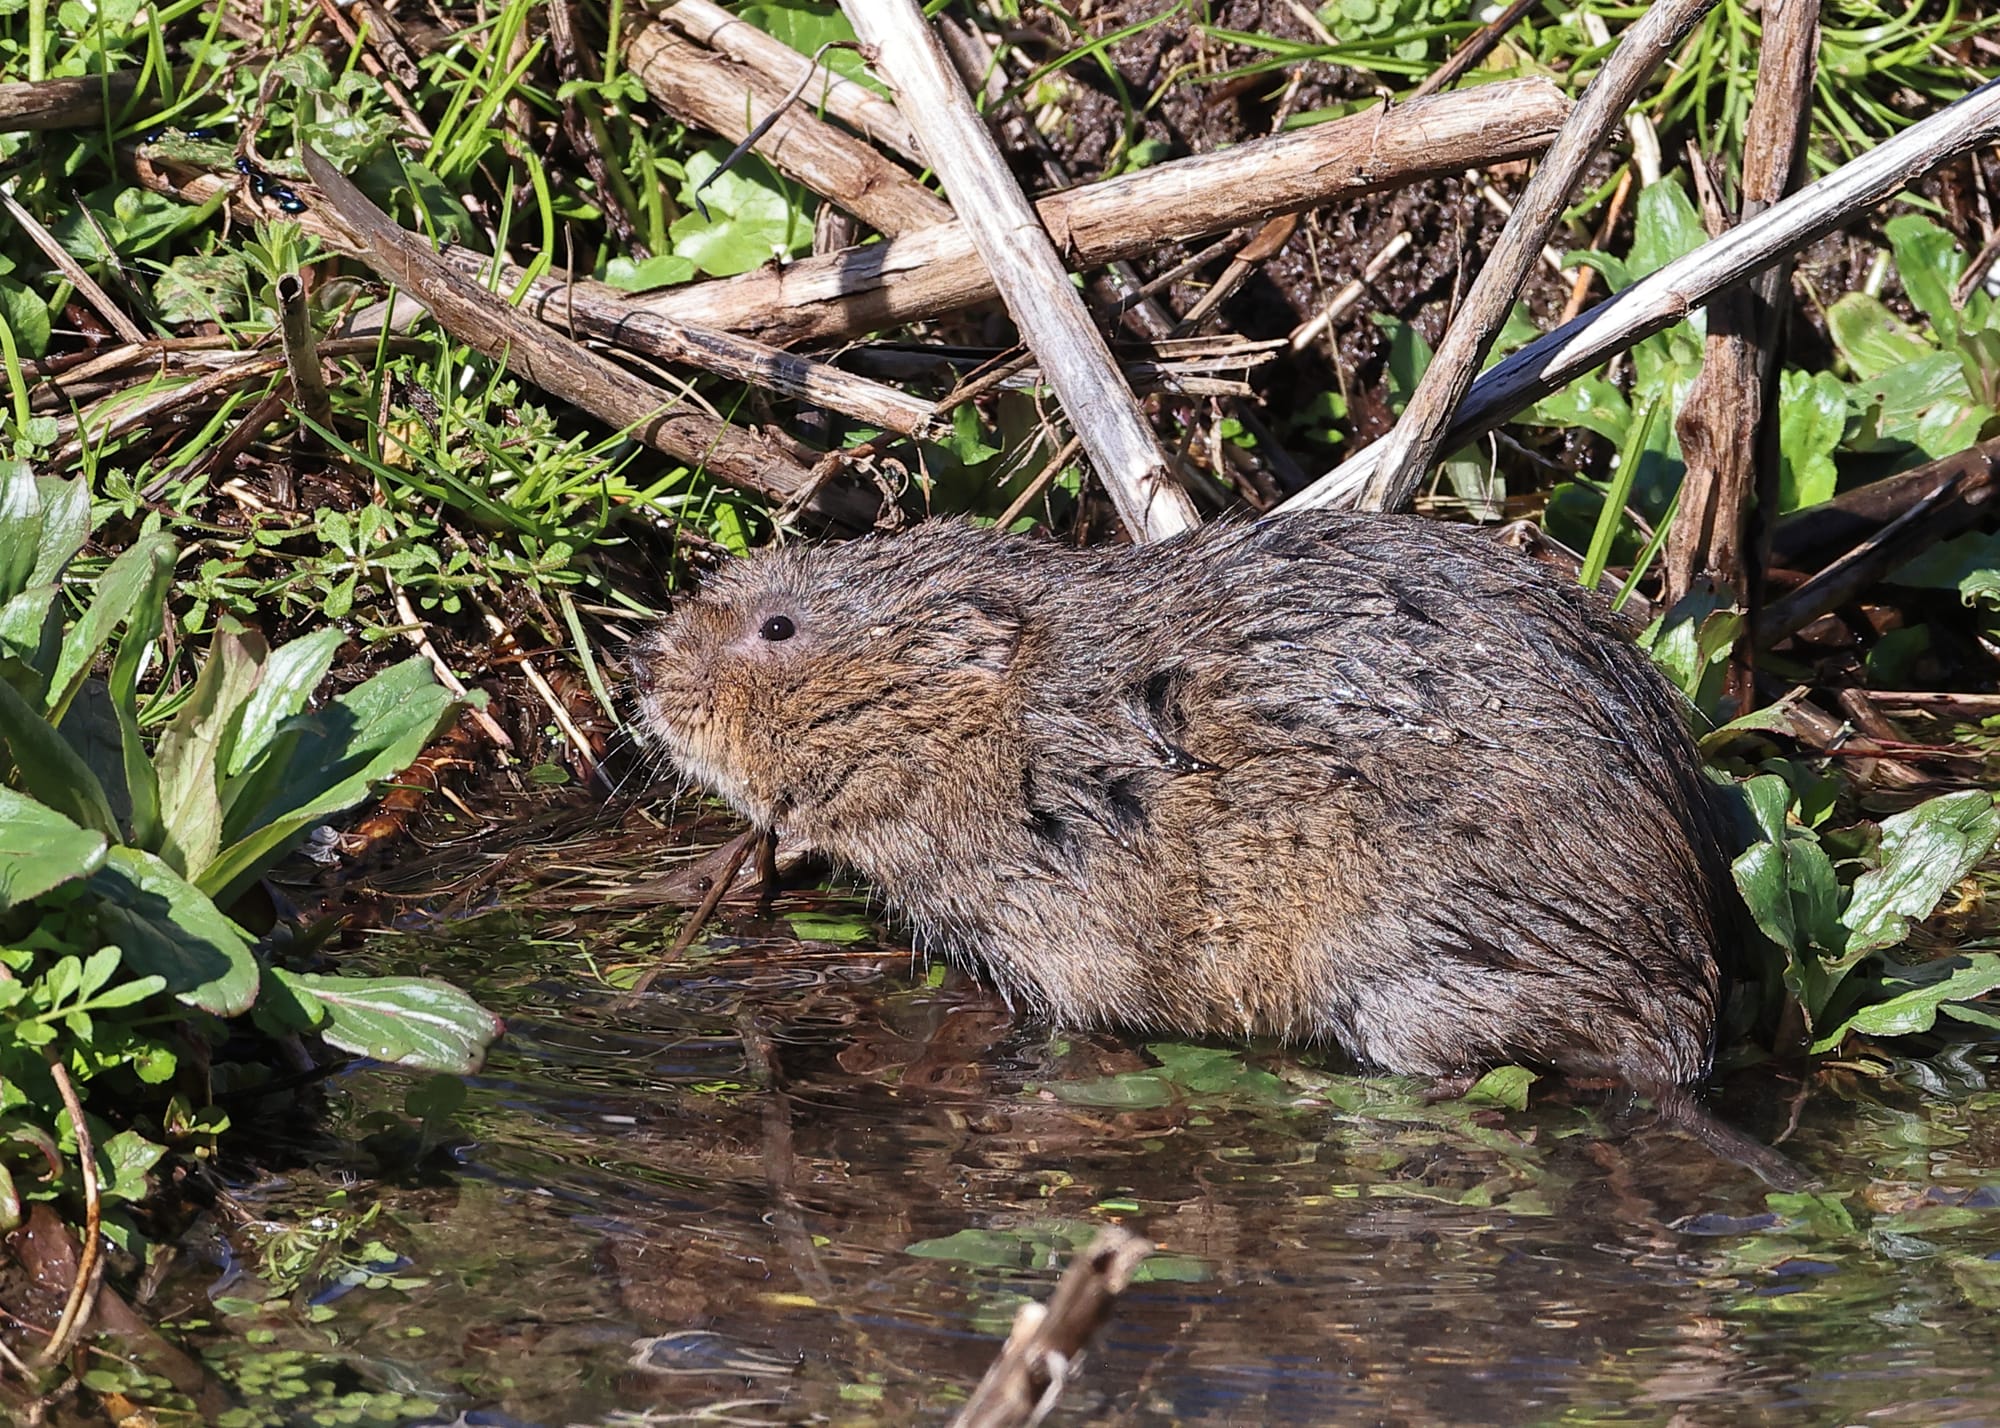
[[83, 1289], [1035, 487], [1047, 1341], [697, 919], [124, 326]]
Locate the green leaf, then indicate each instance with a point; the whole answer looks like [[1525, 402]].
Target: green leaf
[[142, 627], [1589, 402], [1505, 1086], [20, 527], [1871, 339], [1968, 563], [189, 754], [123, 588], [1924, 853], [1929, 263], [49, 769], [40, 849], [169, 928], [26, 316], [65, 527], [1666, 227], [123, 1163], [369, 734], [31, 632], [1812, 415], [406, 1021], [1931, 987], [987, 1249], [752, 219], [291, 674]]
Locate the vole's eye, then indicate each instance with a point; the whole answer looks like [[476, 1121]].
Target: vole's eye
[[778, 627]]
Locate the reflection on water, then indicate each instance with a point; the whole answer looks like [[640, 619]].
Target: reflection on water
[[811, 1183]]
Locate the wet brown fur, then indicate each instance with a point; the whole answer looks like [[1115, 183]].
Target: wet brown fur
[[1367, 779]]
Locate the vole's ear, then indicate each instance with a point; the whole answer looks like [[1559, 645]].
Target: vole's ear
[[974, 629]]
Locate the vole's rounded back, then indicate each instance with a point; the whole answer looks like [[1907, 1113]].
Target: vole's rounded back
[[1370, 779]]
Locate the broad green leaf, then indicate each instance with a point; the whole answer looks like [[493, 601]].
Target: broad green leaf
[[371, 733], [40, 849], [1924, 853], [190, 751], [1692, 641], [1409, 357], [752, 219], [808, 27], [65, 527], [406, 1021], [1871, 339], [291, 674], [1968, 563], [1931, 987], [1502, 1086], [1030, 1247], [1929, 262], [1215, 1070], [1130, 1090], [122, 588], [1589, 402], [1666, 227], [1812, 415], [49, 769], [169, 928], [26, 316], [20, 527], [123, 1162], [31, 632], [91, 728]]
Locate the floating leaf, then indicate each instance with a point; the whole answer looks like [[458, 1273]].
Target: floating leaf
[[405, 1021]]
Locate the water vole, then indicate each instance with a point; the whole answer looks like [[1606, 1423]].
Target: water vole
[[1367, 779]]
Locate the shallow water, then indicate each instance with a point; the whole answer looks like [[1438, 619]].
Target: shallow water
[[806, 1178]]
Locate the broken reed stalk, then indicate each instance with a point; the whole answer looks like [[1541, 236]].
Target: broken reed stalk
[[491, 326], [1727, 424], [602, 313], [79, 277], [700, 87], [605, 313], [1958, 492], [862, 290], [855, 105], [1047, 1340], [1658, 301], [1409, 451], [1034, 282], [1809, 539], [75, 103], [295, 329]]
